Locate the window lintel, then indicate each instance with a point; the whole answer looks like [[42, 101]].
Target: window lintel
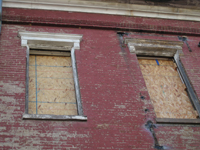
[[59, 38], [149, 47]]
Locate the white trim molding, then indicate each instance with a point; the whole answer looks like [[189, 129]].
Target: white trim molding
[[53, 117], [57, 41], [107, 8], [53, 37], [149, 47]]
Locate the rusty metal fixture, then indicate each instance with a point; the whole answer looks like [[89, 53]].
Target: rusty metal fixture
[[185, 39]]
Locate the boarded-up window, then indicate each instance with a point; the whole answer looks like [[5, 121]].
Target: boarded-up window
[[167, 92], [51, 86]]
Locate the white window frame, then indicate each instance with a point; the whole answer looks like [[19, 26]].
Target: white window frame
[[72, 42], [172, 49]]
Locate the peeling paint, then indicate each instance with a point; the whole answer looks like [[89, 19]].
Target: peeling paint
[[102, 126], [12, 88], [7, 99], [120, 106]]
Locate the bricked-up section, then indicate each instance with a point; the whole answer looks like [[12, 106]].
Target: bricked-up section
[[100, 20], [111, 86]]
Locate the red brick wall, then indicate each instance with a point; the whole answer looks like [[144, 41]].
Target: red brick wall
[[100, 20], [111, 84]]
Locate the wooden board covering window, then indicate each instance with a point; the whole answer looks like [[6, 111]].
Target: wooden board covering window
[[167, 92], [51, 86]]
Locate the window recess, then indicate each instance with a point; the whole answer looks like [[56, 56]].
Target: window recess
[[170, 91], [52, 88]]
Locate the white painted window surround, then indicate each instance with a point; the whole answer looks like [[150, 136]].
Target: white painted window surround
[[107, 8], [167, 49], [73, 43]]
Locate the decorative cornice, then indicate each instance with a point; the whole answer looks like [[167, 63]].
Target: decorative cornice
[[107, 8], [47, 17]]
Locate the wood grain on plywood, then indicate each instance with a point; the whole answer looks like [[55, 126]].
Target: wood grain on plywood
[[57, 108], [51, 86], [54, 72], [167, 92], [56, 96], [53, 61]]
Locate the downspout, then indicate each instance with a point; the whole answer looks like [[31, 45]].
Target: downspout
[[0, 15]]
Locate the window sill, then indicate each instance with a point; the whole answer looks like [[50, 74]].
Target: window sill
[[177, 121], [53, 117]]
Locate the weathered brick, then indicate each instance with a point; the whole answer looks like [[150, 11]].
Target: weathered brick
[[110, 81]]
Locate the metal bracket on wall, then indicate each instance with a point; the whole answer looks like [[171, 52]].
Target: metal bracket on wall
[[0, 15], [184, 39]]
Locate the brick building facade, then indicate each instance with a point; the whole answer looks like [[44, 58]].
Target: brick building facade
[[114, 95]]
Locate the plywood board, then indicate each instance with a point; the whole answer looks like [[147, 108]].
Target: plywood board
[[167, 92], [51, 86], [57, 108], [53, 61], [54, 72], [56, 96]]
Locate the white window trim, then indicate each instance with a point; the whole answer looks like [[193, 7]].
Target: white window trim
[[172, 49], [74, 43]]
